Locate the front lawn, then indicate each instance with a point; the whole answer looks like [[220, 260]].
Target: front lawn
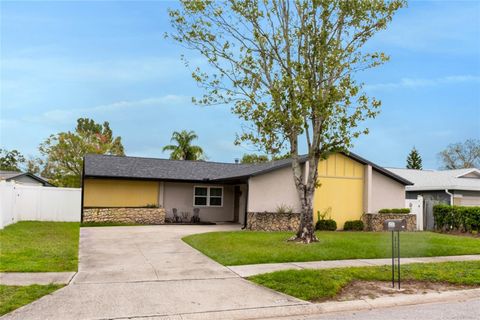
[[248, 247], [13, 297], [315, 285], [34, 246]]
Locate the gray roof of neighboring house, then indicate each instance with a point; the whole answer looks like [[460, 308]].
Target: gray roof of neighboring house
[[459, 179], [12, 175], [109, 166]]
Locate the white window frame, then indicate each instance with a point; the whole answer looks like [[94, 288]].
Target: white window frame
[[208, 196]]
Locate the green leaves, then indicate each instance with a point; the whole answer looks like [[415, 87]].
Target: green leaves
[[11, 160], [414, 160], [288, 69], [183, 149], [64, 151]]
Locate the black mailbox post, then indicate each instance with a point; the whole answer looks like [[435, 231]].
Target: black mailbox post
[[395, 226]]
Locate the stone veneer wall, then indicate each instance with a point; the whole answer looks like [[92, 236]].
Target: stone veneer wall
[[125, 215], [374, 221], [272, 221]]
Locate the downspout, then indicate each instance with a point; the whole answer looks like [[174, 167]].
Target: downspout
[[83, 188], [451, 196], [246, 208]]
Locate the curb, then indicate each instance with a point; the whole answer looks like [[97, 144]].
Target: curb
[[30, 278], [325, 307]]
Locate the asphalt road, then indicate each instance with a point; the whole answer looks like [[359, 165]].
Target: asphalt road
[[464, 310]]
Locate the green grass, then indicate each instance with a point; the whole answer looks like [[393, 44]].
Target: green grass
[[247, 247], [315, 285], [13, 297], [33, 246]]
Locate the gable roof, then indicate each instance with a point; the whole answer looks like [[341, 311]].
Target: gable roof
[[166, 169], [12, 175], [469, 173], [459, 179], [108, 166]]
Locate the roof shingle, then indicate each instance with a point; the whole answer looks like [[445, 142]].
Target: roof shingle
[[109, 166], [438, 180]]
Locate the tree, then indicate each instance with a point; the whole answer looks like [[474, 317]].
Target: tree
[[64, 151], [461, 155], [254, 158], [414, 160], [288, 67], [11, 160], [260, 158], [34, 165], [183, 149]]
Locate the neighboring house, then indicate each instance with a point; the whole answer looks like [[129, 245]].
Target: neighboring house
[[349, 186], [459, 187], [455, 187], [24, 178]]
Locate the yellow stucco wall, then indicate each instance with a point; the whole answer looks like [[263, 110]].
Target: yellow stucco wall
[[119, 193], [341, 189]]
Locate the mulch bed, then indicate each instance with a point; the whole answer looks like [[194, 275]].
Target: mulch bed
[[375, 289]]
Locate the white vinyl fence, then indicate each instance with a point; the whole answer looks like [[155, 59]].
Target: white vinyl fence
[[21, 202], [416, 207]]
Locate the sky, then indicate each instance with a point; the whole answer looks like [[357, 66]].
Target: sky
[[109, 60]]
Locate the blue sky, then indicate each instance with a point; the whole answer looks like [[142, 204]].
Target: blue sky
[[109, 61]]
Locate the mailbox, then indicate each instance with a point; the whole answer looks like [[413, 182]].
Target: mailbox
[[395, 225]]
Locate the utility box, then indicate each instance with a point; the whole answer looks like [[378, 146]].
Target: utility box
[[395, 225]]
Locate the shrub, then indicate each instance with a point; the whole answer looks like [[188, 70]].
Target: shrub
[[283, 208], [353, 225], [326, 225], [395, 210], [456, 218]]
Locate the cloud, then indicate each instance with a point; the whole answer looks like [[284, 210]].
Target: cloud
[[116, 70], [66, 116], [414, 83]]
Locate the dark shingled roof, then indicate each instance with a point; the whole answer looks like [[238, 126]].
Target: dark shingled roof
[[108, 166], [11, 175], [165, 169]]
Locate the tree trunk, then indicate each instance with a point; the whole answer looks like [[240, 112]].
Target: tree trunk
[[306, 230], [305, 188]]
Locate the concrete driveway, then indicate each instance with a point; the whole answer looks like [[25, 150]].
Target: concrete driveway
[[148, 271]]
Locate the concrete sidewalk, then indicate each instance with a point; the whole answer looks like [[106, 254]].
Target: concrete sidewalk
[[148, 271], [28, 278], [254, 269]]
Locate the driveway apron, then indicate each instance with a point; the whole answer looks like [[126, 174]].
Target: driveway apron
[[148, 271]]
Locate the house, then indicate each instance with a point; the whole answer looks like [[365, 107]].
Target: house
[[459, 187], [150, 190], [24, 178]]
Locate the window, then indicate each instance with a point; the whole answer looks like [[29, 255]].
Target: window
[[201, 196], [216, 197], [208, 196]]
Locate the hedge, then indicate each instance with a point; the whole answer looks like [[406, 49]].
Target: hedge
[[353, 225], [395, 210], [326, 224], [456, 218]]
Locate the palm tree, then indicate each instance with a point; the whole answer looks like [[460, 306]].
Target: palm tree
[[183, 149]]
